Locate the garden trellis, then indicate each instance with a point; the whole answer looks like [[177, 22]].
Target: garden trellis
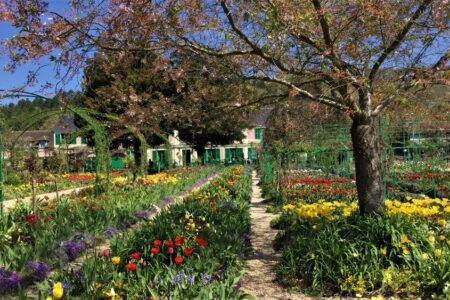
[[407, 146], [100, 137]]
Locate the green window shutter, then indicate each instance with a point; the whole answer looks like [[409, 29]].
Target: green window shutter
[[73, 141], [217, 154], [84, 140], [58, 138], [240, 153], [249, 153], [154, 156], [206, 156], [258, 133], [227, 154]]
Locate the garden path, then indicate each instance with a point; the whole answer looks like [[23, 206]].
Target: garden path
[[8, 204], [259, 278]]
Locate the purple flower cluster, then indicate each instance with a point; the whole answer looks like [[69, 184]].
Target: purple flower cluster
[[38, 270], [201, 182], [110, 231], [166, 201], [206, 279], [142, 214], [68, 250], [87, 238], [177, 278], [8, 280], [125, 224]]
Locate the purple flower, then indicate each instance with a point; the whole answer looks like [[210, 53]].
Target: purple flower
[[87, 238], [177, 278], [142, 214], [125, 224], [109, 232], [206, 278], [238, 284], [39, 270], [166, 201], [190, 279], [8, 280]]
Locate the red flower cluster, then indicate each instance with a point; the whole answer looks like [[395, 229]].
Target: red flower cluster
[[315, 181], [178, 241], [415, 176], [31, 219], [79, 177]]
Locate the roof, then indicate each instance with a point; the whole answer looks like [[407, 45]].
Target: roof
[[259, 118], [34, 136], [65, 124]]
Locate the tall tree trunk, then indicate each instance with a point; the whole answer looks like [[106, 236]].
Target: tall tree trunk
[[368, 165], [201, 153], [137, 155]]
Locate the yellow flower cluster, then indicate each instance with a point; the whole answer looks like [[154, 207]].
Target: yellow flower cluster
[[159, 177], [322, 209], [426, 207]]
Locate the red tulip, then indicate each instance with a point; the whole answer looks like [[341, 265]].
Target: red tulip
[[157, 243], [179, 260], [170, 250], [201, 242], [168, 243], [155, 250], [188, 251], [131, 266], [136, 255], [31, 219], [179, 240]]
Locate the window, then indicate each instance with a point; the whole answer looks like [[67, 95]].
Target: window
[[258, 133], [58, 139], [42, 144]]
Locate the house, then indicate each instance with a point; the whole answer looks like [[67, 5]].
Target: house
[[45, 142], [180, 154], [63, 131]]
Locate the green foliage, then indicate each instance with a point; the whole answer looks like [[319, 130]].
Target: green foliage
[[363, 255]]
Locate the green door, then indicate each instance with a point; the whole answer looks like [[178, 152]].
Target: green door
[[117, 162]]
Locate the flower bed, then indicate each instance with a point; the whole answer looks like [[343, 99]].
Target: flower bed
[[328, 248], [191, 250], [61, 231], [429, 183]]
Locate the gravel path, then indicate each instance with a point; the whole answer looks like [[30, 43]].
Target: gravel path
[[8, 204], [259, 279]]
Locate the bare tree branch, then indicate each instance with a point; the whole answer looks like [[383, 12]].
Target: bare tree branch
[[319, 98], [398, 39]]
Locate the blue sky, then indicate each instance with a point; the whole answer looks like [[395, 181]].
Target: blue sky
[[18, 78]]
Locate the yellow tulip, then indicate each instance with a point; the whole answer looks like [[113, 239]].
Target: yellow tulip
[[115, 260], [58, 290]]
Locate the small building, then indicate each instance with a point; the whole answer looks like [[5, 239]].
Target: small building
[[181, 154]]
